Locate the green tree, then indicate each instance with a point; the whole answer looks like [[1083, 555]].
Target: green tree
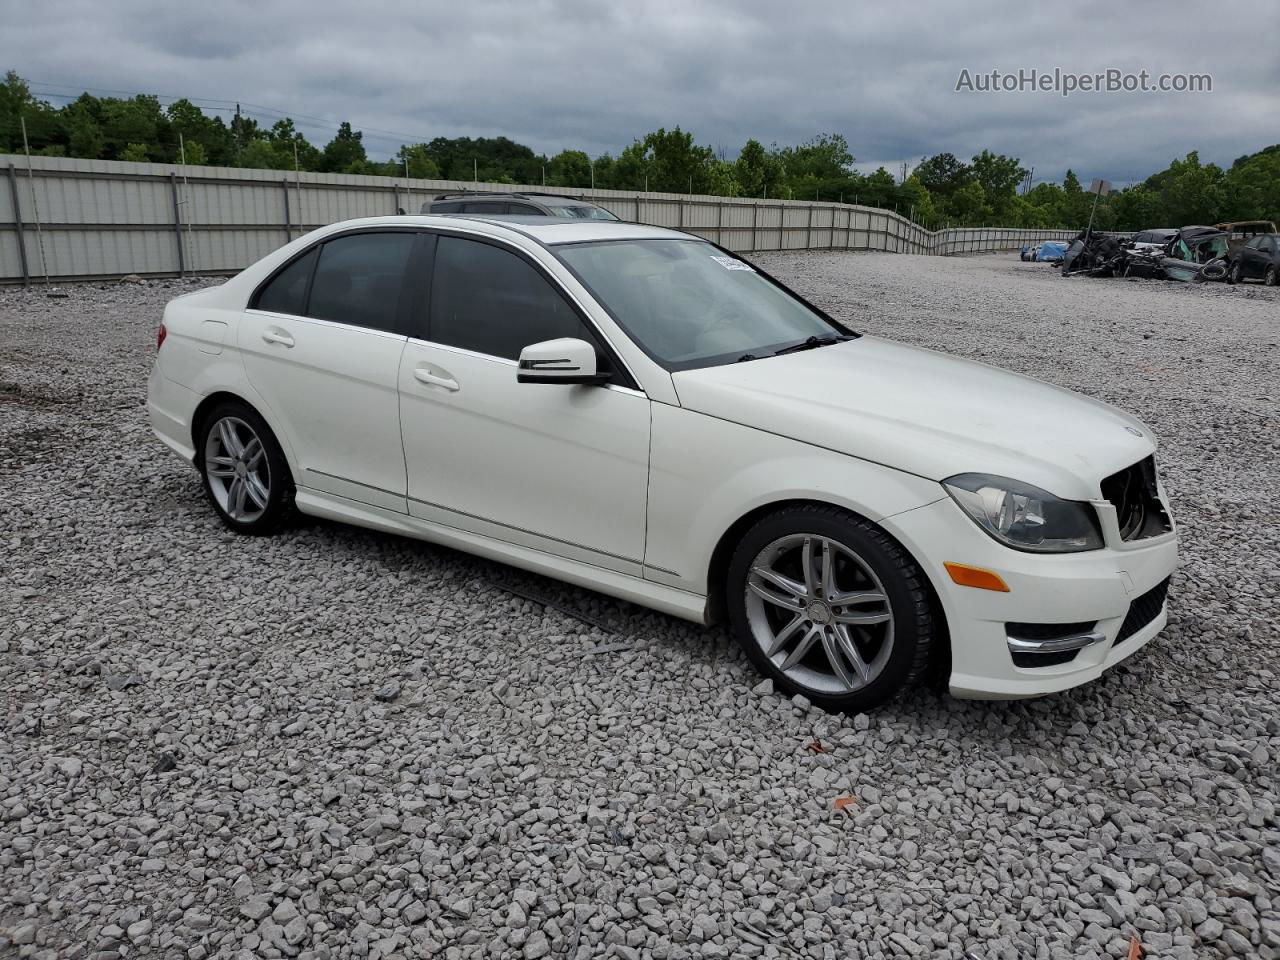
[[942, 174], [1074, 211], [669, 162], [757, 171], [968, 205], [135, 122], [345, 152], [417, 161], [569, 168], [135, 153], [999, 177], [1250, 190], [195, 155]]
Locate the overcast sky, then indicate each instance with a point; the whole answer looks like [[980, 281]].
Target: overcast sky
[[590, 74]]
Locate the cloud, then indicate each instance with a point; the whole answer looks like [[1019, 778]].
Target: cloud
[[578, 73]]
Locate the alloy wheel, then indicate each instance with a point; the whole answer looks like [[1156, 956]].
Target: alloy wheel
[[819, 613], [1270, 279], [235, 463]]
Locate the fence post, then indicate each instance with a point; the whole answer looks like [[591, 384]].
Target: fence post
[[17, 224], [288, 219], [177, 225], [396, 189], [680, 214], [755, 223], [720, 223], [808, 234]]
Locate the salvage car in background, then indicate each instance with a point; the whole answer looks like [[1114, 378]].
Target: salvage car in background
[[1196, 254], [525, 204], [1153, 239], [1240, 232], [638, 411], [1258, 259]]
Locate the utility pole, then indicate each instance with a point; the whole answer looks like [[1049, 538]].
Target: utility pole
[[186, 193], [297, 183], [35, 207]]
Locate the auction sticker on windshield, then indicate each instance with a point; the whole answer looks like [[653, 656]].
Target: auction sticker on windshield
[[729, 263]]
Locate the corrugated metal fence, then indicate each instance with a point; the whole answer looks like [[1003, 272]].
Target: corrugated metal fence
[[82, 219]]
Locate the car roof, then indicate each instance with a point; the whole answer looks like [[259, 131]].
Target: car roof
[[544, 230]]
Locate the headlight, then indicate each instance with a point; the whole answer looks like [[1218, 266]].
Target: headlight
[[1025, 517]]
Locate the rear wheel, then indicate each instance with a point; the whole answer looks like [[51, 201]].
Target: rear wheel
[[243, 469], [829, 606]]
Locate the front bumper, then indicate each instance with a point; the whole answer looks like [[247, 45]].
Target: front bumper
[[1097, 587]]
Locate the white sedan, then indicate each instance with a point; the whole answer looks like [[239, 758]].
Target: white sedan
[[640, 412]]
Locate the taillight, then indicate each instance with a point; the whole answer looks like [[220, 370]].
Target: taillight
[[160, 335]]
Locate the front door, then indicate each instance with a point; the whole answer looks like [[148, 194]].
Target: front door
[[561, 468], [321, 344]]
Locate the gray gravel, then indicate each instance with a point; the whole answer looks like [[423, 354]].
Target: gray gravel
[[335, 743]]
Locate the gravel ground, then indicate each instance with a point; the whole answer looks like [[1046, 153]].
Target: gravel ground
[[334, 743]]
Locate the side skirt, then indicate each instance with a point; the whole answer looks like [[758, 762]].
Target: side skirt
[[646, 593]]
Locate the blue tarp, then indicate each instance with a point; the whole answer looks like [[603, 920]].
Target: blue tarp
[[1052, 250]]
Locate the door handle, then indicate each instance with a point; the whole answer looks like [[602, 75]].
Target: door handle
[[424, 375], [272, 336]]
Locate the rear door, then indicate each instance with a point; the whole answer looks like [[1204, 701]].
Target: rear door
[[321, 343]]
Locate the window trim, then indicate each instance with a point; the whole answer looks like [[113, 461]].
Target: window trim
[[420, 324]]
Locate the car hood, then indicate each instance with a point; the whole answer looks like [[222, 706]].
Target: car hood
[[924, 412]]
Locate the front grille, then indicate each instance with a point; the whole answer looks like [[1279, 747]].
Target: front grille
[[1143, 610], [1133, 493]]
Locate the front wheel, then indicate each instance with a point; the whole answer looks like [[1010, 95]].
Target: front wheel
[[1270, 279], [243, 469], [1234, 276], [830, 607]]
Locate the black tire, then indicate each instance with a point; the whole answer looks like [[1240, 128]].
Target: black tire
[[1270, 279], [1234, 276], [273, 467], [902, 581]]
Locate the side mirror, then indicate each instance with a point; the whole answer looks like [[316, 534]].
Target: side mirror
[[567, 360]]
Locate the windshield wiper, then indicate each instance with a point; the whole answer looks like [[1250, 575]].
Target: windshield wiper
[[745, 357], [811, 343]]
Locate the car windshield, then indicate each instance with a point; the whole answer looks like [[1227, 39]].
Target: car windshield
[[580, 212], [689, 305]]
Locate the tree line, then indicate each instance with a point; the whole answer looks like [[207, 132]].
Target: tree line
[[989, 189]]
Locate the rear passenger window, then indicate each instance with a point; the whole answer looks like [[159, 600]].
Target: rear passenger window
[[359, 278], [491, 301], [287, 290], [450, 206]]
